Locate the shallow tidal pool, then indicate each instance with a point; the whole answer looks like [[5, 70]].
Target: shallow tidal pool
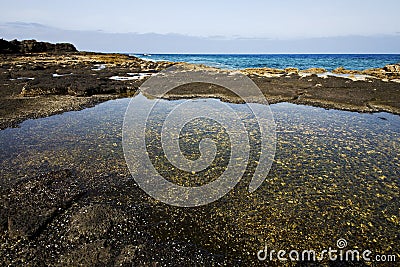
[[335, 175]]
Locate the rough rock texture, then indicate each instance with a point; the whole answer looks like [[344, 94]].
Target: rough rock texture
[[388, 72], [355, 93], [263, 71], [341, 70], [92, 254], [292, 70], [33, 46], [22, 220], [8, 47], [315, 70], [37, 85], [93, 221], [67, 216]]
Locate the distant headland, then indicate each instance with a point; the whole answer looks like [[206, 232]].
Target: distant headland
[[33, 46]]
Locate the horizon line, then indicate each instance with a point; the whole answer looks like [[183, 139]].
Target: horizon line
[[269, 53]]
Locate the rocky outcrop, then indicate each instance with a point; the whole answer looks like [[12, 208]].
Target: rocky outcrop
[[392, 68], [7, 47], [292, 70], [314, 70], [42, 84], [342, 70], [33, 46], [389, 72], [267, 72]]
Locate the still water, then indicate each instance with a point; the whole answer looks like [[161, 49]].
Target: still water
[[335, 175]]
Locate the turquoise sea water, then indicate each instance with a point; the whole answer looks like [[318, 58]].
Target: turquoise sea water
[[281, 61]]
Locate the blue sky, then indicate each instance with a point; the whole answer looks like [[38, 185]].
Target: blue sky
[[250, 18], [208, 26]]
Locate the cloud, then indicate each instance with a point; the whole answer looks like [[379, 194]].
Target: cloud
[[178, 43]]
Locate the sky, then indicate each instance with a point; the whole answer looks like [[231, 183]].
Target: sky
[[212, 19], [250, 18]]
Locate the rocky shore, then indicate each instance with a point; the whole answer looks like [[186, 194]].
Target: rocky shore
[[78, 216], [41, 84]]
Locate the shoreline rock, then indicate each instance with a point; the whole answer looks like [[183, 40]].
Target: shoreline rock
[[43, 84], [68, 216], [36, 85], [33, 46]]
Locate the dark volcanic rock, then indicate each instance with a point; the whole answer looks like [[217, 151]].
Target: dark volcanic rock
[[76, 85], [8, 47], [92, 254], [94, 221], [64, 47], [31, 204], [33, 46], [41, 84]]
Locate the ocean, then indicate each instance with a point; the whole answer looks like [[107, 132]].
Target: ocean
[[281, 61]]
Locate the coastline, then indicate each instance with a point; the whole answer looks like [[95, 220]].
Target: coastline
[[38, 85], [70, 198], [42, 84]]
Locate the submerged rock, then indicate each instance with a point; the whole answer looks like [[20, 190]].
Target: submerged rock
[[33, 203], [93, 221], [92, 254]]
